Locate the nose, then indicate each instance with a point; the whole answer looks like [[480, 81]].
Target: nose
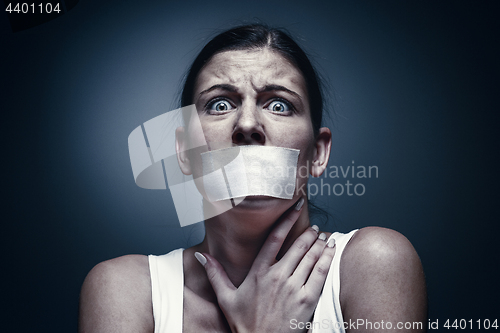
[[248, 129]]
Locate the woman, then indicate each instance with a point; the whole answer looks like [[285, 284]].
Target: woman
[[261, 266]]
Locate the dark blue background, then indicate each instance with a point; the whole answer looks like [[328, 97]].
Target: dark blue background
[[416, 90]]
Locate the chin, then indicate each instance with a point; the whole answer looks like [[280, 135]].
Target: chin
[[261, 202]]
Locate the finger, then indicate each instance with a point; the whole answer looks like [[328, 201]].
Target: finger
[[301, 247], [316, 280], [306, 265], [272, 245], [223, 287]]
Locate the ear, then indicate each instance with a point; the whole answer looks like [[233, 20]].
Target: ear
[[321, 151], [181, 150]]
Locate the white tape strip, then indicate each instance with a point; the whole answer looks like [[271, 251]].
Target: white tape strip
[[248, 171]]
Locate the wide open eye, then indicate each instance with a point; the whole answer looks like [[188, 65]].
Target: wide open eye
[[279, 106], [219, 106]]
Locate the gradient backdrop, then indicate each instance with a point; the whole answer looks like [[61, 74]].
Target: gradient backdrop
[[415, 92]]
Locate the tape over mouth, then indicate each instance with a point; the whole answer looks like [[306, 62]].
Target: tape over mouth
[[242, 171], [229, 174]]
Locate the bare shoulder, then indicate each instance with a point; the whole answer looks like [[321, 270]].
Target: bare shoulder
[[375, 245], [382, 277], [116, 296]]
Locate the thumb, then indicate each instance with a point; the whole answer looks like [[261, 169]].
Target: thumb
[[223, 287]]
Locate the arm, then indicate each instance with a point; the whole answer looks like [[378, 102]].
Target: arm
[[116, 297], [382, 280]]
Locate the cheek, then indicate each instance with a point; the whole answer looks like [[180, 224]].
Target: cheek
[[208, 137], [295, 135], [218, 135], [300, 137], [304, 165], [196, 145]]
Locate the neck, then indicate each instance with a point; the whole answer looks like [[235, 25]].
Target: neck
[[236, 237]]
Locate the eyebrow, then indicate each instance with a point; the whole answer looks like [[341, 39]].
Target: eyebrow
[[273, 87], [267, 88], [227, 87]]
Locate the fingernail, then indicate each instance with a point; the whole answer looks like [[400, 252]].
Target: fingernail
[[299, 204], [322, 236], [201, 258], [331, 242], [315, 228]]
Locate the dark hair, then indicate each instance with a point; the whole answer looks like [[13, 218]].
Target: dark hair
[[256, 36]]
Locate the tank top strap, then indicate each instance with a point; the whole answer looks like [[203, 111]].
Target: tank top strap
[[328, 314], [167, 287]]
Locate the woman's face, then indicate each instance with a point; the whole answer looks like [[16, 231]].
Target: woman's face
[[255, 97]]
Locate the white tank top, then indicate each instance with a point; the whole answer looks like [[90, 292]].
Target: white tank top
[[167, 285]]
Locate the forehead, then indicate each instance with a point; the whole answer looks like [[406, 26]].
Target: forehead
[[256, 68]]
